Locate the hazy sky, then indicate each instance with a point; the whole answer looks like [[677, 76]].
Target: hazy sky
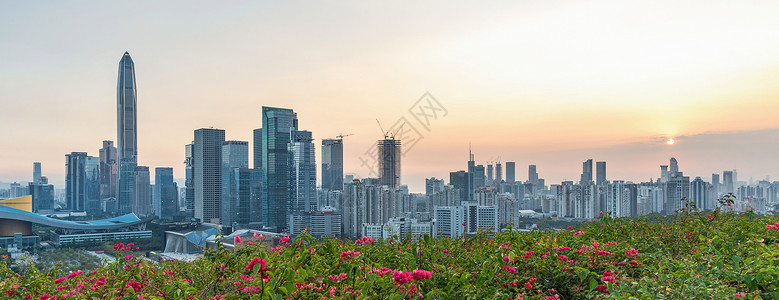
[[550, 83]]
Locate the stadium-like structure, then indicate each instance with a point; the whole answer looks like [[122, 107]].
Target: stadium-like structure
[[16, 219]]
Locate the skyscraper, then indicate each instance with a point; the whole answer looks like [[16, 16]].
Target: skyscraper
[[36, 172], [433, 186], [109, 171], [728, 181], [207, 175], [235, 155], [81, 182], [166, 195], [42, 195], [600, 170], [277, 123], [511, 168], [333, 164], [490, 173], [699, 194], [715, 182], [586, 172], [189, 180], [674, 166], [498, 172], [126, 110], [532, 174], [303, 172], [389, 162], [141, 203]]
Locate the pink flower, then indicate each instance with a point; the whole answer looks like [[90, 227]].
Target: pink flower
[[512, 270], [255, 234], [283, 240], [742, 294], [349, 254], [237, 239], [446, 251]]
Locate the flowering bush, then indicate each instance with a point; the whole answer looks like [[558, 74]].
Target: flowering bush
[[718, 255]]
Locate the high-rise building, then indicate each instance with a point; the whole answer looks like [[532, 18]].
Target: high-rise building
[[42, 195], [235, 155], [207, 174], [126, 195], [166, 194], [699, 194], [477, 177], [189, 180], [142, 204], [511, 168], [36, 172], [490, 173], [126, 114], [600, 172], [460, 180], [586, 172], [248, 205], [498, 172], [715, 182], [664, 174], [333, 164], [674, 166], [389, 162], [433, 186], [728, 182], [109, 171], [82, 189], [277, 124], [303, 172], [677, 188], [532, 175]]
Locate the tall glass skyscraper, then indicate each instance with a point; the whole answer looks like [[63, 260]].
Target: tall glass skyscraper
[[126, 110], [333, 164], [166, 194], [235, 155], [109, 171], [277, 124], [303, 172], [207, 169], [82, 188]]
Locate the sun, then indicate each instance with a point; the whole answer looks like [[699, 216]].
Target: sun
[[670, 142]]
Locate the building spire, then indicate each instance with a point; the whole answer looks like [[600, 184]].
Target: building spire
[[470, 153]]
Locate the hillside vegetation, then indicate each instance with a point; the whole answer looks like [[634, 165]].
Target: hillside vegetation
[[691, 255]]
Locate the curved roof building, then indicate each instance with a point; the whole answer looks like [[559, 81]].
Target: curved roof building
[[16, 217]]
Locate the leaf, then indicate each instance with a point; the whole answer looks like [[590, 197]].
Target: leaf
[[593, 284]]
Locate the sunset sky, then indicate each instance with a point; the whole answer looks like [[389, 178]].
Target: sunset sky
[[550, 83]]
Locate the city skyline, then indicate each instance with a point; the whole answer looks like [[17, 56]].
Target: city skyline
[[705, 83]]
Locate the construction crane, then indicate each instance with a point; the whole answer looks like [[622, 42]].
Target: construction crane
[[389, 134], [341, 136]]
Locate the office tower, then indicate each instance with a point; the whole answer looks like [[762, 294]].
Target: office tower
[[389, 162], [532, 175], [142, 204], [600, 172], [715, 182], [333, 164], [189, 180], [678, 187], [674, 166], [126, 194], [277, 123], [617, 199], [36, 172], [477, 177], [109, 171], [235, 155], [490, 173], [42, 195], [257, 148], [126, 114], [728, 182], [17, 190], [303, 172], [460, 180], [248, 189], [699, 194], [433, 186], [207, 174], [664, 174], [82, 189], [498, 172], [586, 172], [511, 168], [166, 194]]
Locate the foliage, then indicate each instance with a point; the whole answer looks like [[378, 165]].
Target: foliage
[[693, 254]]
